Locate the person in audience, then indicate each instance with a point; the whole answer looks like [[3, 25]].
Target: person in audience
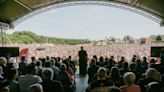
[[113, 59], [129, 79], [109, 66], [101, 61], [152, 61], [114, 89], [70, 72], [36, 88], [106, 61], [65, 79], [58, 62], [132, 68], [39, 68], [134, 57], [28, 79], [92, 70], [139, 68], [33, 60], [12, 75], [154, 87], [54, 68], [22, 65], [151, 75], [101, 81], [48, 64], [3, 62], [124, 68], [48, 83], [4, 86], [1, 74], [48, 58], [120, 63], [115, 77], [72, 64], [145, 63], [68, 67], [95, 57], [43, 61]]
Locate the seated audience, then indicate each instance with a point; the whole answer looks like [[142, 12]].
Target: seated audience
[[28, 79], [101, 84]]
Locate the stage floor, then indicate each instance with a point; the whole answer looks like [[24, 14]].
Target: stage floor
[[81, 83]]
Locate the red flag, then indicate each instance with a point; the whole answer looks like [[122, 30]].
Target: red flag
[[24, 52]]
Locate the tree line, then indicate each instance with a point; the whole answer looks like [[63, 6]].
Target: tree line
[[28, 37]]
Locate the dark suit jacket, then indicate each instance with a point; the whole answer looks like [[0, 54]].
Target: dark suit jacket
[[52, 86]]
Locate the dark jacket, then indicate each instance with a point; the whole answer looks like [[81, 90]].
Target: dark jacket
[[52, 86]]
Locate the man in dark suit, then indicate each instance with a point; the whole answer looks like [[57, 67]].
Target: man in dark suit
[[83, 58]]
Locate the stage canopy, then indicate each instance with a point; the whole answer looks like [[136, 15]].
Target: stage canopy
[[13, 12]]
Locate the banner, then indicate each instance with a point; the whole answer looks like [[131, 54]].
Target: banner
[[24, 52]]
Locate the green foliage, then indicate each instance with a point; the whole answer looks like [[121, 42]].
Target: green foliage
[[158, 38], [28, 37], [111, 40], [128, 39]]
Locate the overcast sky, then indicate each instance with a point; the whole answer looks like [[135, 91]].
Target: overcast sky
[[90, 22]]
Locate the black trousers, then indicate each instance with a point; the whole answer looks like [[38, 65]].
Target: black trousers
[[83, 67]]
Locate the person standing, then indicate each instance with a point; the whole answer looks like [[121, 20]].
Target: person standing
[[83, 58]]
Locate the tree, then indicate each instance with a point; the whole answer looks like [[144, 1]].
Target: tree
[[113, 40], [128, 39], [158, 38], [110, 40]]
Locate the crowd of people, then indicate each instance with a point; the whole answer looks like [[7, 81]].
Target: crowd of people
[[50, 74], [137, 75], [63, 51], [47, 72]]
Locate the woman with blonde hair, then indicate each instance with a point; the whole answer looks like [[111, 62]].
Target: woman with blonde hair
[[129, 79]]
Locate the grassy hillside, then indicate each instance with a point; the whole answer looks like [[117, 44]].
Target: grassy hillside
[[28, 37]]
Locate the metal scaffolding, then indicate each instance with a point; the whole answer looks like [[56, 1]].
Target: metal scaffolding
[[3, 28]]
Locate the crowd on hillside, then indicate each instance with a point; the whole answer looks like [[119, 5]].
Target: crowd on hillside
[[107, 72]]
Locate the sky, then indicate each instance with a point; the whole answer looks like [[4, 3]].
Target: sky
[[90, 22]]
